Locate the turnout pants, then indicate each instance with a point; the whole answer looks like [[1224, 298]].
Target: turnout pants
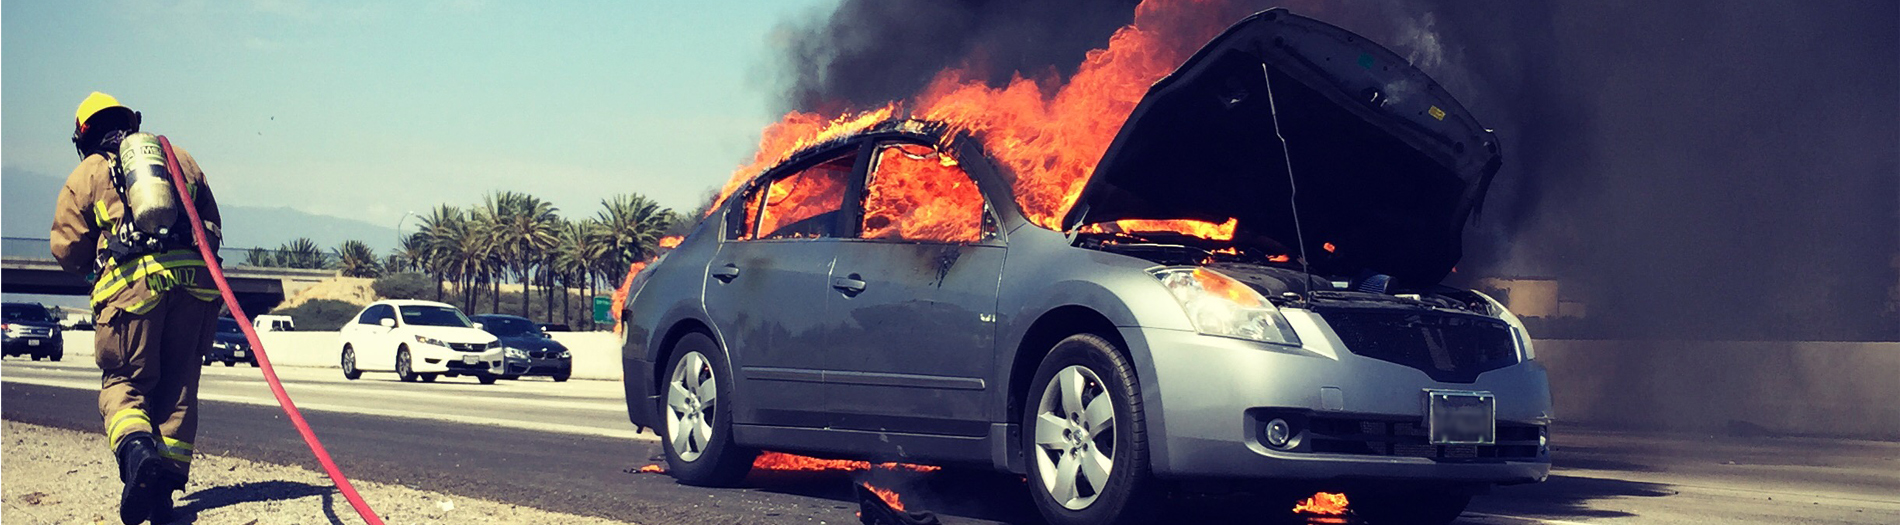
[[151, 363]]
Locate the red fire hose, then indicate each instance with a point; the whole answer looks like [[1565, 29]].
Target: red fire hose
[[263, 360]]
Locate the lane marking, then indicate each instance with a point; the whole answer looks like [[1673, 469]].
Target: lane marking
[[560, 428], [1521, 518], [509, 396]]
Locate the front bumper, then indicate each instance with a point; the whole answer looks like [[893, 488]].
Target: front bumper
[[1210, 396], [436, 360], [550, 366], [43, 345]]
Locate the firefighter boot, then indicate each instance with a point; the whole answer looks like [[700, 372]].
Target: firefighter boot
[[141, 468], [162, 509]]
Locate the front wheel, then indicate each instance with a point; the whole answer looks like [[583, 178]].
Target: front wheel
[[230, 363], [350, 371], [487, 379], [561, 377], [696, 399], [428, 378], [1086, 439], [403, 370], [1423, 507]]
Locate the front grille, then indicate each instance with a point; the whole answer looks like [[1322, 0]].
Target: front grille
[[1373, 437], [37, 332], [468, 347], [544, 354], [1448, 347]]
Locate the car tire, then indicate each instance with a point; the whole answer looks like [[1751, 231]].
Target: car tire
[[58, 356], [37, 357], [207, 359], [403, 365], [487, 379], [695, 431], [254, 363], [427, 378], [229, 363], [560, 378], [1063, 420], [350, 371], [1424, 507]]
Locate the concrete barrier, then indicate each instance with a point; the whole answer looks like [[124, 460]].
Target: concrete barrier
[[596, 354], [1794, 388]]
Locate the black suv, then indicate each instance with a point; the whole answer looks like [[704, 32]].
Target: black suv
[[229, 345], [31, 330]]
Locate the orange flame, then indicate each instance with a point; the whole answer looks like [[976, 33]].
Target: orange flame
[[796, 463], [671, 241], [916, 193], [1203, 229], [653, 469], [1329, 247], [1049, 135], [1323, 503], [889, 496]]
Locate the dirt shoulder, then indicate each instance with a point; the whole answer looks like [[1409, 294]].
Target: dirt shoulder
[[50, 475]]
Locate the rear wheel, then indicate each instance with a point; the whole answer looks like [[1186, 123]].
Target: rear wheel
[[1086, 438], [695, 405], [37, 357], [428, 378], [349, 364], [228, 362], [1424, 507], [59, 355], [487, 379], [403, 370]]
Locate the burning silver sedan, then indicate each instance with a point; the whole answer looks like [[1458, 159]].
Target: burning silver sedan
[[897, 290]]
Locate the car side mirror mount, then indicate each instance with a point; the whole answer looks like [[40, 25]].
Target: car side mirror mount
[[387, 322]]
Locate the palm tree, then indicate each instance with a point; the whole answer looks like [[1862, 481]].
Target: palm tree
[[301, 253], [259, 257], [356, 259], [438, 227], [523, 228], [632, 225], [580, 251]]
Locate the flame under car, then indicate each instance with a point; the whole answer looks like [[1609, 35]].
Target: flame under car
[[880, 295]]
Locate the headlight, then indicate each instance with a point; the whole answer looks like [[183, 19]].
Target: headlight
[[516, 353], [220, 344], [493, 345], [1220, 305], [1518, 332], [565, 355], [428, 341]]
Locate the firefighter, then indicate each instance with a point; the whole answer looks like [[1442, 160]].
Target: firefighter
[[119, 222]]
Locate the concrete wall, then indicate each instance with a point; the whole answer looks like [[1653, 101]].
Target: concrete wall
[[596, 354], [1802, 388]]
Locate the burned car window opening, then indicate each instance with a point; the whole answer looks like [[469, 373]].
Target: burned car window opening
[[804, 204], [915, 192]]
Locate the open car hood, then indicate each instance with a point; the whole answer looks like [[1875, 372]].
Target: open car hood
[[1388, 166]]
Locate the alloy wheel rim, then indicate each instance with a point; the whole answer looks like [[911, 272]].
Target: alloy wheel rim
[[1075, 437], [402, 363], [691, 397], [349, 360]]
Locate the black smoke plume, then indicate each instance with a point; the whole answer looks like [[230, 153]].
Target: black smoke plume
[[1695, 169]]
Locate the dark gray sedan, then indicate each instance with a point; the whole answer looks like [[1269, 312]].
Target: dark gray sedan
[[883, 296], [526, 350]]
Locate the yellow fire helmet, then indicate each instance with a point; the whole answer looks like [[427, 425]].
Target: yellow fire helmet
[[93, 104]]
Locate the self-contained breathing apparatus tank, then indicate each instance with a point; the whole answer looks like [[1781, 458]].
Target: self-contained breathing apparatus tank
[[151, 221]]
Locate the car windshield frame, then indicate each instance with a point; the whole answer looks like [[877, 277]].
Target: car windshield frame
[[431, 315], [522, 327], [26, 312]]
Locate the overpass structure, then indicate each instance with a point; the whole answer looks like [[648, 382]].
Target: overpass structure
[[258, 289]]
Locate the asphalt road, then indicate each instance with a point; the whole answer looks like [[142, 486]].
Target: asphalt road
[[567, 447]]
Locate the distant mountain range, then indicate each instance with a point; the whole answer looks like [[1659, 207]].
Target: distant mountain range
[[26, 210]]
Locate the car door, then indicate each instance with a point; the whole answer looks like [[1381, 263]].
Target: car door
[[915, 296], [379, 340], [766, 286], [357, 334]]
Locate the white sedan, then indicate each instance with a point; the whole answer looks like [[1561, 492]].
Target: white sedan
[[419, 340]]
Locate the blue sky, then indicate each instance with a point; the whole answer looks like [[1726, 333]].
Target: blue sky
[[371, 109]]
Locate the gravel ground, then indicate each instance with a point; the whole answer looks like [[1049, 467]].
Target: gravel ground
[[50, 475]]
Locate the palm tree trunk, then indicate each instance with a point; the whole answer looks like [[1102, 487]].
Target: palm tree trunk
[[526, 287]]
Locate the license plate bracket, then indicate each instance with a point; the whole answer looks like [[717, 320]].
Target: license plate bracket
[[1461, 417]]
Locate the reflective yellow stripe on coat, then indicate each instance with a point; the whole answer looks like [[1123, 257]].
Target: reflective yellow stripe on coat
[[157, 271]]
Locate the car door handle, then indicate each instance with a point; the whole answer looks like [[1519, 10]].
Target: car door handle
[[726, 274], [850, 285]]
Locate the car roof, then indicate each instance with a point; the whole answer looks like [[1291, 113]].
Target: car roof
[[412, 302], [498, 316]]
